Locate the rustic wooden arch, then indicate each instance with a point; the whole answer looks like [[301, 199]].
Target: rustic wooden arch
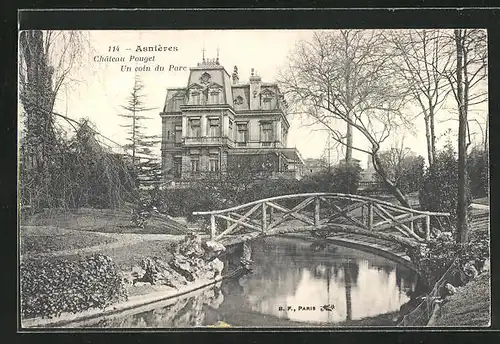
[[322, 210]]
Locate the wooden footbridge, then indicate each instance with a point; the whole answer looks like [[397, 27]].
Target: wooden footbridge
[[324, 214]]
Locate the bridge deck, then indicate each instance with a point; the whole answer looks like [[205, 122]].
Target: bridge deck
[[384, 248]]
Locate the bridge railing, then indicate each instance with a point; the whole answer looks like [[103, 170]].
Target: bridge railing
[[315, 210]]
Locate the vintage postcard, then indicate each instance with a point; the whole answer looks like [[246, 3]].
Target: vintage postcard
[[253, 178]]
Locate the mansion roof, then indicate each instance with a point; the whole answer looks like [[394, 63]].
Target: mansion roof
[[210, 77]]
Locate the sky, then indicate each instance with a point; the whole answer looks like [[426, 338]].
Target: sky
[[100, 89]]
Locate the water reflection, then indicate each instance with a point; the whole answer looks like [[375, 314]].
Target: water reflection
[[288, 273]]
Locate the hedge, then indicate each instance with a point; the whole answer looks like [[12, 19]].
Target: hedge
[[50, 287]]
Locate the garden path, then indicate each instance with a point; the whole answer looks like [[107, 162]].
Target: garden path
[[122, 239]]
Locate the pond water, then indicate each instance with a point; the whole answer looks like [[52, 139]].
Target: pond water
[[294, 282]]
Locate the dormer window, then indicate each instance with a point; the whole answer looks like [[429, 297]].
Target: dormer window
[[266, 103], [195, 97], [214, 96]]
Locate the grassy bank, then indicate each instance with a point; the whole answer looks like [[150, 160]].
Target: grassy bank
[[129, 256], [470, 306], [102, 220], [44, 239]]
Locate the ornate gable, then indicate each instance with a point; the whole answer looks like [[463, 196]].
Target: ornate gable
[[266, 92], [196, 86], [205, 78], [215, 86]]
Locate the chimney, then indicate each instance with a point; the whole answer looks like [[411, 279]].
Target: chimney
[[369, 164], [255, 83], [236, 78]]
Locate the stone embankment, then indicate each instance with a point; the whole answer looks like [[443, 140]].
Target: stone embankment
[[195, 264], [193, 259]]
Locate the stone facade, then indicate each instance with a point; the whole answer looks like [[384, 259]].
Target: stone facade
[[215, 118]]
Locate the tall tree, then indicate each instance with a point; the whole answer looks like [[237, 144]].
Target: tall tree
[[46, 60], [144, 161], [422, 60], [346, 76], [470, 71]]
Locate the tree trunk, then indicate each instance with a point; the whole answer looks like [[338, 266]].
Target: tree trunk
[[348, 151], [432, 135], [37, 98], [486, 130], [462, 221], [430, 157], [393, 189]]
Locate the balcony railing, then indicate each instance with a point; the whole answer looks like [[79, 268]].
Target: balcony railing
[[208, 141], [259, 144], [218, 141]]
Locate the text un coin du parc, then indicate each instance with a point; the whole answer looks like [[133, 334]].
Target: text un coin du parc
[[141, 62]]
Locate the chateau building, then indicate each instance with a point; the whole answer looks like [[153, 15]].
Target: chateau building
[[218, 124]]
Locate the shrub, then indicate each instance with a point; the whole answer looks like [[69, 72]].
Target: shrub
[[319, 182], [478, 172], [219, 194], [344, 178], [433, 262], [183, 202], [50, 287], [439, 191]]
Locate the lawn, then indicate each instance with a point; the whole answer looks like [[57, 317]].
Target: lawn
[[45, 239], [102, 220], [470, 306]]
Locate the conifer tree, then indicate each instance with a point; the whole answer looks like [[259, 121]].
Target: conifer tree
[[146, 167]]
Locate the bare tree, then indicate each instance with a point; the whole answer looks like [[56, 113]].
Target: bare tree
[[470, 72], [345, 75], [422, 60]]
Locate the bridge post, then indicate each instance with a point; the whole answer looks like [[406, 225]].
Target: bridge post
[[370, 215], [316, 212], [264, 217], [427, 227], [212, 227]]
